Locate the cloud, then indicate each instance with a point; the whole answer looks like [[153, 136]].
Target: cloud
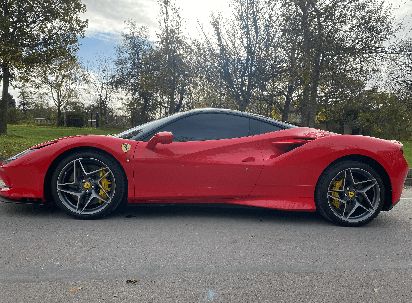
[[108, 16], [401, 8]]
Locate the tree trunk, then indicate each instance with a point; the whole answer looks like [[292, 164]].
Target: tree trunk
[[4, 101], [313, 101], [240, 100], [181, 97], [144, 109], [59, 116], [305, 106], [288, 100]]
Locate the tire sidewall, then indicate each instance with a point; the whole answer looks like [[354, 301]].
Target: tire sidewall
[[120, 188]]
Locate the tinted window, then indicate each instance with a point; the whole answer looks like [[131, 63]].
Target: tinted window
[[258, 127], [133, 133], [208, 127]]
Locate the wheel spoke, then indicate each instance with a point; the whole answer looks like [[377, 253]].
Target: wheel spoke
[[79, 198], [80, 186], [105, 192], [93, 196], [87, 203], [363, 206], [336, 191], [351, 211], [81, 165], [361, 182], [365, 189], [104, 176], [75, 172], [344, 209], [344, 179], [336, 198], [71, 192], [97, 171], [351, 180]]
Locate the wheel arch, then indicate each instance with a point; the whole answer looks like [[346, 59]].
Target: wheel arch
[[47, 180], [377, 167]]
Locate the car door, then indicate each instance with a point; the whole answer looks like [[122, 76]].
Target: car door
[[211, 156]]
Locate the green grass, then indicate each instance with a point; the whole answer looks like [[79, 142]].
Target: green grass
[[21, 137], [407, 152]]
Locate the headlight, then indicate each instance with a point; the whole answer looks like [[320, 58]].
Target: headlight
[[28, 151]]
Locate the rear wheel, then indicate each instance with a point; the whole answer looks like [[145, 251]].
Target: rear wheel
[[350, 193], [88, 185]]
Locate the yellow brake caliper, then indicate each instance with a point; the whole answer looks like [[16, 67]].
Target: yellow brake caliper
[[105, 184], [336, 186]]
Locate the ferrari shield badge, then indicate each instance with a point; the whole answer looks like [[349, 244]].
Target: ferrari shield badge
[[125, 147]]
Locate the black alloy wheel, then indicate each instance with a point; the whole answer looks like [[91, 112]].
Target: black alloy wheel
[[350, 193], [88, 185]]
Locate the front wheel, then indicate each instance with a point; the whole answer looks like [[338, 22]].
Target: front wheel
[[350, 193], [88, 185]]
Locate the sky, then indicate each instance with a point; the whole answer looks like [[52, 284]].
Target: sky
[[106, 20], [107, 17]]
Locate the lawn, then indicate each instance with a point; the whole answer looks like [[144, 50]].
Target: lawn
[[407, 152], [21, 137]]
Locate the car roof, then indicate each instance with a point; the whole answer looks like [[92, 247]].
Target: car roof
[[143, 133], [236, 112]]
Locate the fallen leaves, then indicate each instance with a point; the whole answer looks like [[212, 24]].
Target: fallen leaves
[[76, 289]]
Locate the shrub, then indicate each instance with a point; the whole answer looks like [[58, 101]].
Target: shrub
[[13, 115], [75, 119]]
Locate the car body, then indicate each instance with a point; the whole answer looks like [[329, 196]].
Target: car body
[[212, 156]]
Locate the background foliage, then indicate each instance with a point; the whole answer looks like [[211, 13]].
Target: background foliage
[[331, 64]]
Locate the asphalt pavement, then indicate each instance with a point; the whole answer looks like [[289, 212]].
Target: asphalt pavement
[[203, 253]]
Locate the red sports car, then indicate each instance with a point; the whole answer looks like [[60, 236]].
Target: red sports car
[[212, 156]]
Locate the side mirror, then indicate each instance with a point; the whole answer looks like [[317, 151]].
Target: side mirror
[[162, 137]]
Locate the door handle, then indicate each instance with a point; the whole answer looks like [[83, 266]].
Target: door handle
[[249, 159]]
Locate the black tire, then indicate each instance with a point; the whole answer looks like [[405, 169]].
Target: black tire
[[350, 193], [88, 185]]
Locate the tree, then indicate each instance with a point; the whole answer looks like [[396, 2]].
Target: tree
[[174, 70], [335, 36], [100, 87], [241, 48], [59, 82], [387, 117], [36, 32], [135, 69], [399, 69]]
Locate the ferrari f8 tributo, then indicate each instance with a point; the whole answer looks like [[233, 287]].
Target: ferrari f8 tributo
[[212, 156]]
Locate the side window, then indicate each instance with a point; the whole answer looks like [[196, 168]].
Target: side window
[[258, 127], [208, 127]]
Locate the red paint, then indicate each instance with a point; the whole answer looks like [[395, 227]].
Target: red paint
[[252, 170]]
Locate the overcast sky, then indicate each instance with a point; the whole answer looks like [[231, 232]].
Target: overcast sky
[[108, 16], [106, 20]]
